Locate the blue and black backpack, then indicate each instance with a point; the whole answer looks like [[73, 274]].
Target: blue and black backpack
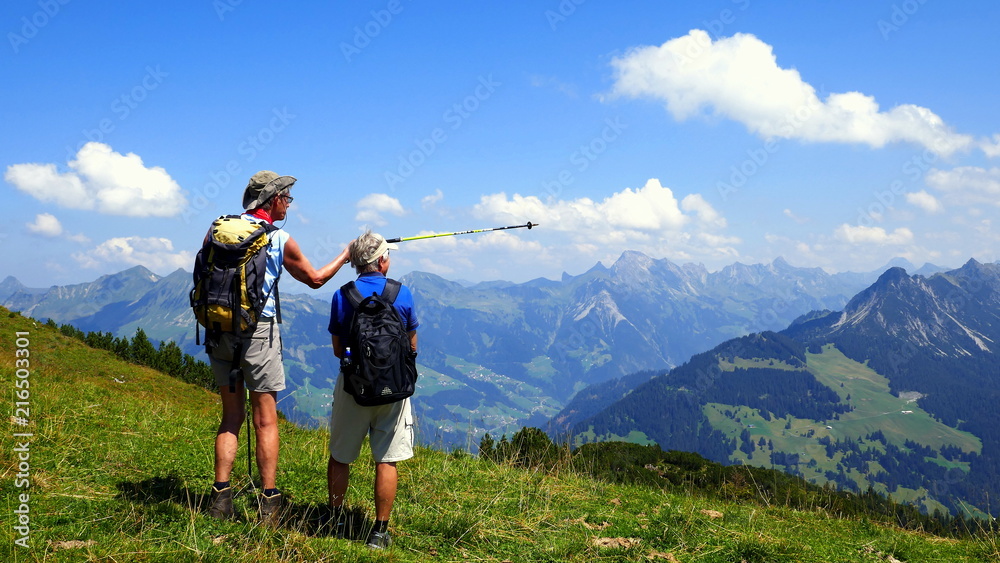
[[383, 368]]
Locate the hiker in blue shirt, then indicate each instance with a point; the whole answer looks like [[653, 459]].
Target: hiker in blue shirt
[[266, 198], [389, 427]]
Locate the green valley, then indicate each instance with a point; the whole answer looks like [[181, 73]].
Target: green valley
[[801, 445]]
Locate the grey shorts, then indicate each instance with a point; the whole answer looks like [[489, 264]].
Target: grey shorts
[[389, 428], [261, 363]]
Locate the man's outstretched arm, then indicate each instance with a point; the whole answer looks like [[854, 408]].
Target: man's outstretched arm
[[301, 269]]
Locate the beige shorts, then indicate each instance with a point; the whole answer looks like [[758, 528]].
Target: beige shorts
[[389, 428], [261, 364]]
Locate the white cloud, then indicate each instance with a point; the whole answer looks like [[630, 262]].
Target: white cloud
[[46, 225], [44, 183], [722, 245], [102, 180], [553, 83], [739, 78], [800, 220], [491, 255], [648, 219], [861, 234], [925, 201], [436, 267], [572, 235], [991, 147], [372, 207], [652, 208], [967, 185], [696, 204], [431, 200], [155, 253]]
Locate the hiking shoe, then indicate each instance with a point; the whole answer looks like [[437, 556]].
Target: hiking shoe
[[270, 508], [379, 540], [221, 506]]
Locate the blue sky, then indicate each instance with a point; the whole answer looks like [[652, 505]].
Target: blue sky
[[835, 135]]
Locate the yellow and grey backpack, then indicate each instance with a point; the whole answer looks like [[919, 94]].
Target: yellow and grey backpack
[[228, 294]]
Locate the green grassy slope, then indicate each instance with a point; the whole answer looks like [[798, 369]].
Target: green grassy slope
[[874, 408], [121, 457]]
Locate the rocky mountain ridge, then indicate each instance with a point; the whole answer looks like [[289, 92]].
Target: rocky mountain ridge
[[486, 347]]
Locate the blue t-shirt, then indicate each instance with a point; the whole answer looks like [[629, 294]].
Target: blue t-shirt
[[341, 311]]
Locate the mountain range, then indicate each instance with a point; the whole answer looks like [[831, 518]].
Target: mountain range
[[898, 391], [494, 356]]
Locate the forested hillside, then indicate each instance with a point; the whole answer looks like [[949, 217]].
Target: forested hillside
[[899, 392]]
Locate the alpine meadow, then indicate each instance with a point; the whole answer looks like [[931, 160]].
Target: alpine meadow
[[118, 451], [544, 281]]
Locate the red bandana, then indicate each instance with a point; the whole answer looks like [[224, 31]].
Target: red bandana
[[262, 214]]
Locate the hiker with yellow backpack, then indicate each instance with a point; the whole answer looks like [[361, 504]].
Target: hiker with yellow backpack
[[235, 297]]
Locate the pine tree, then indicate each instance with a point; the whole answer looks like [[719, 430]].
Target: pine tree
[[141, 351]]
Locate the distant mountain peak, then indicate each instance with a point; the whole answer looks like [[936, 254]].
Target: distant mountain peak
[[972, 265], [780, 262], [135, 272], [630, 256], [936, 314], [893, 275], [599, 267], [900, 262], [632, 263], [9, 286]]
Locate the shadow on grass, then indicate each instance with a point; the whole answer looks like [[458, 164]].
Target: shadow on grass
[[309, 519]]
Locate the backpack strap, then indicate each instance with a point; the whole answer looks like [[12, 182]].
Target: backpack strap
[[277, 301], [391, 290], [268, 229], [354, 297], [234, 368]]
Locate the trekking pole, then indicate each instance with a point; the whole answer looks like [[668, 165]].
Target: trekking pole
[[529, 224], [249, 409]]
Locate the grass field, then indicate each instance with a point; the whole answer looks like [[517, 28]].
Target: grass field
[[121, 458], [875, 408]]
